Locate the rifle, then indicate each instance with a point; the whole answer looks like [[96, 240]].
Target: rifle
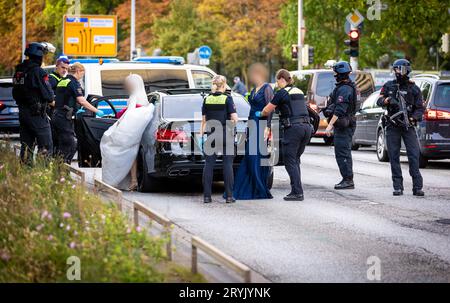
[[401, 118]]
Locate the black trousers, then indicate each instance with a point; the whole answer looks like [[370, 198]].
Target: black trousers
[[343, 150], [295, 139], [65, 135], [394, 136], [208, 174], [34, 129]]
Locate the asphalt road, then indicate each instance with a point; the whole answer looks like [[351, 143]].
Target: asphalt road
[[330, 236]]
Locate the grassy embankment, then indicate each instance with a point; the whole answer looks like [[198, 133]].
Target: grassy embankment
[[46, 217]]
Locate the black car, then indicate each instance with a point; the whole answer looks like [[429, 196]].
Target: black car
[[433, 131], [168, 149], [9, 112]]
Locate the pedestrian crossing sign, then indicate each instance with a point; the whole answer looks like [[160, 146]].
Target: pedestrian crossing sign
[[90, 36]]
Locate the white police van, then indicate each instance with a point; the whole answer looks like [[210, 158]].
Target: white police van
[[106, 77]]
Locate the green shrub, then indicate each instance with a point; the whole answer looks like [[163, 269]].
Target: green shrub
[[45, 217]]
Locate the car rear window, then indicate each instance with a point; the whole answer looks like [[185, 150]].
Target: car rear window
[[326, 83], [442, 97], [6, 91], [189, 107], [154, 79]]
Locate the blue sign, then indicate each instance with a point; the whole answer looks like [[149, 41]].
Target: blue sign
[[76, 20], [204, 52]]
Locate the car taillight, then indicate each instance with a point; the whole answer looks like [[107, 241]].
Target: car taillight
[[2, 106], [434, 114], [169, 135]]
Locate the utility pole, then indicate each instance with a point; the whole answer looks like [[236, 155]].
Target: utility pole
[[24, 27], [300, 34], [133, 30]]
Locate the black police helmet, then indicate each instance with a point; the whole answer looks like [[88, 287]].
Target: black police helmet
[[402, 67], [342, 67], [35, 50]]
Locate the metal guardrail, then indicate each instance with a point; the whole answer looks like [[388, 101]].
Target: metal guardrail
[[215, 253], [100, 186], [155, 216], [77, 172]]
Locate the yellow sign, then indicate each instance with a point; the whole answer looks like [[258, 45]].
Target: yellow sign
[[90, 36]]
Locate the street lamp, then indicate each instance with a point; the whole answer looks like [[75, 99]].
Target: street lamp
[[24, 27]]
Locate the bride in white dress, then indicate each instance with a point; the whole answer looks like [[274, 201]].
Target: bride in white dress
[[120, 143]]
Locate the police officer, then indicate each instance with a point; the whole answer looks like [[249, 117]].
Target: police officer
[[400, 124], [340, 111], [60, 72], [32, 93], [69, 97], [289, 101], [219, 119]]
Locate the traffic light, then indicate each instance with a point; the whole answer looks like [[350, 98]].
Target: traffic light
[[353, 43], [311, 55], [294, 51]]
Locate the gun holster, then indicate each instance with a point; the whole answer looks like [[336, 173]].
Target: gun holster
[[285, 123], [69, 112]]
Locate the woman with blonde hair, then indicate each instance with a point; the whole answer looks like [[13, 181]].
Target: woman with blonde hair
[[217, 108], [252, 177]]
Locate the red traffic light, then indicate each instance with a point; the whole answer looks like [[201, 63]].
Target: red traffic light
[[354, 34]]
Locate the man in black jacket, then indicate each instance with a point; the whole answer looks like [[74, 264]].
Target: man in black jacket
[[404, 104], [32, 92]]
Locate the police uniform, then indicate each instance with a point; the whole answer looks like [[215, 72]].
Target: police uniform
[[395, 132], [343, 104], [32, 93], [295, 123], [67, 92], [54, 78], [219, 107]]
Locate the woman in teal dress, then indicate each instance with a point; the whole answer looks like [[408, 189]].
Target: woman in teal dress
[[251, 180]]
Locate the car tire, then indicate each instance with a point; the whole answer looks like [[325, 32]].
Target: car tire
[[355, 146], [382, 153], [270, 180], [146, 183], [423, 161], [328, 140]]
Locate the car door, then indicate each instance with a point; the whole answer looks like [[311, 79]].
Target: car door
[[373, 117], [89, 130], [360, 136]]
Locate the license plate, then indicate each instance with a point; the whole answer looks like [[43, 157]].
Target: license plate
[[13, 110]]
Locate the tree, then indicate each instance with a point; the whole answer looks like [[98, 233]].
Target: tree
[[405, 27]]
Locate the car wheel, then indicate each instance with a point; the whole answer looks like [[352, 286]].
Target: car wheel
[[270, 180], [423, 161], [355, 146], [381, 147], [328, 140], [146, 183]]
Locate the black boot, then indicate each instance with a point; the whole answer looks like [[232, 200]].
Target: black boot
[[418, 192], [207, 200], [230, 200], [346, 183], [398, 192], [294, 197]]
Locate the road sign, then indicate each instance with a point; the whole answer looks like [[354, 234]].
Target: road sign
[[204, 52], [90, 36], [348, 27], [355, 18]]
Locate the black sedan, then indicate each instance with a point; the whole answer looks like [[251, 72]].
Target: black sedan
[[9, 112], [168, 149]]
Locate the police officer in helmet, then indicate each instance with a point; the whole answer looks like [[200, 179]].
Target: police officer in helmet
[[290, 103], [218, 122], [403, 101], [340, 111], [33, 93], [69, 98]]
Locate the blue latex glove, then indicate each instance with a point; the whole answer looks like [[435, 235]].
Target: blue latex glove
[[258, 114], [81, 111], [100, 113]]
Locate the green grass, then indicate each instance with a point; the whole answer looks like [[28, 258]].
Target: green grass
[[45, 217]]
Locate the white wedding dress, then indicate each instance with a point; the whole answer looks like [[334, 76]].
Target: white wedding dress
[[120, 143]]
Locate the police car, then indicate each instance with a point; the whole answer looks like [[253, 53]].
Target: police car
[[106, 77]]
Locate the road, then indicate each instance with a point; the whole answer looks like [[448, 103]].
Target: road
[[330, 236]]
